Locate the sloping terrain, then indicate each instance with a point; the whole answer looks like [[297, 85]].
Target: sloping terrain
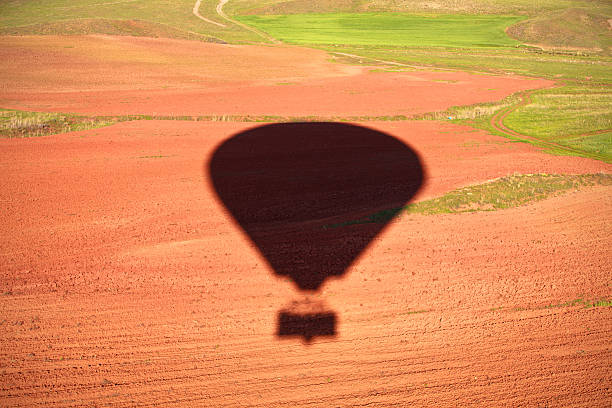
[[135, 28], [571, 28]]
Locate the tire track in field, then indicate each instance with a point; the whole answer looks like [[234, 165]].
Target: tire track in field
[[196, 12], [222, 14], [497, 121]]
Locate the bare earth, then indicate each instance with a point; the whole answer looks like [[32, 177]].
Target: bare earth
[[124, 282], [122, 75]]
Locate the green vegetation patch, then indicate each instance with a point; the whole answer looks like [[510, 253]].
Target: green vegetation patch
[[582, 302], [567, 115], [505, 192], [478, 110], [30, 124], [394, 29], [530, 61], [20, 124], [575, 116]]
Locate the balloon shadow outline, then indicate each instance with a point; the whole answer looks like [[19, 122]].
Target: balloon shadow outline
[[289, 186]]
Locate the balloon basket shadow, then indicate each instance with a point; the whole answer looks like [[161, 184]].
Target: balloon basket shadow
[[306, 320]]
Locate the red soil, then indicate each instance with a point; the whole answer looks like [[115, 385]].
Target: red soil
[[126, 284], [113, 76]]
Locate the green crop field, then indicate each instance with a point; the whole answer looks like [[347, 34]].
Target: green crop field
[[395, 29]]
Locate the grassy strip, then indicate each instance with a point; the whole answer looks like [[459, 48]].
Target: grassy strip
[[394, 29], [479, 110], [587, 304], [573, 116], [506, 192], [567, 115], [575, 108], [21, 124], [31, 124]]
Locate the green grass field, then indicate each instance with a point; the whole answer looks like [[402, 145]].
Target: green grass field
[[568, 115], [392, 29]]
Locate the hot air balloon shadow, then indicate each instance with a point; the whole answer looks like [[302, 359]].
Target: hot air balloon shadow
[[291, 186]]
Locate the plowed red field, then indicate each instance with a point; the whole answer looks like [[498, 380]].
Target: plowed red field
[[125, 282], [114, 76]]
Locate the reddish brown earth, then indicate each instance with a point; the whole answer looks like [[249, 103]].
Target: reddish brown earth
[[114, 76], [125, 283]]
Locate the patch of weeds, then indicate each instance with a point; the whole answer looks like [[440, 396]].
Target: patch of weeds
[[411, 312], [600, 303], [570, 303], [571, 115], [17, 124], [479, 110], [505, 192], [20, 124], [582, 302], [153, 157]]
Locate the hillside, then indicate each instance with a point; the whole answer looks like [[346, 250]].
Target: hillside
[[522, 7], [134, 28], [571, 28]]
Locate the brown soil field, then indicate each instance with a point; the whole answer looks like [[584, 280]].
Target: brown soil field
[[101, 75], [125, 282]]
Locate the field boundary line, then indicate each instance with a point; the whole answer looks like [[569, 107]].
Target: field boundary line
[[196, 12], [221, 13]]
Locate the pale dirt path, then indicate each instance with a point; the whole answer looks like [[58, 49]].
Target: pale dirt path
[[196, 12], [246, 27]]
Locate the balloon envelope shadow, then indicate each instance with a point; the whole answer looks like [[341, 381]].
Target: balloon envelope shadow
[[290, 185]]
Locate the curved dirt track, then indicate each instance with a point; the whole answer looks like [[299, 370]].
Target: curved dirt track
[[196, 12], [497, 121], [126, 284], [124, 281], [221, 13]]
